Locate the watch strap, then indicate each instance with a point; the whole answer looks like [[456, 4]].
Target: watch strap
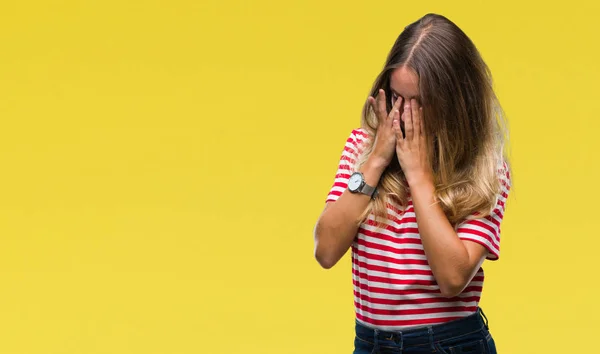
[[368, 190]]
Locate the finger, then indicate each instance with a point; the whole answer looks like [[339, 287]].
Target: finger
[[408, 123], [382, 105], [373, 104], [396, 125], [396, 106], [416, 117]]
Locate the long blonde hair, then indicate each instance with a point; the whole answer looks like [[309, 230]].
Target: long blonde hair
[[464, 123]]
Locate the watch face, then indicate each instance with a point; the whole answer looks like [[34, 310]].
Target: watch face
[[354, 182]]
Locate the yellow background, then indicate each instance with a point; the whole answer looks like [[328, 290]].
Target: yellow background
[[163, 164]]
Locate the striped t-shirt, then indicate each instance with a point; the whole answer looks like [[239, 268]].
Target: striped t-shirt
[[394, 288]]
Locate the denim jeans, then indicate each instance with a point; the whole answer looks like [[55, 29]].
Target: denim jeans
[[466, 335]]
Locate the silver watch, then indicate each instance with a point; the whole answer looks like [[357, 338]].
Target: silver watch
[[357, 184]]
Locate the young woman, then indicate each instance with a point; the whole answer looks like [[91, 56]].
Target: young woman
[[419, 197]]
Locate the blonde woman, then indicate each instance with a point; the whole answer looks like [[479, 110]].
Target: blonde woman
[[419, 197]]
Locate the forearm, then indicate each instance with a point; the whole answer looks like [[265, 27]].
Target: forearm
[[337, 227], [447, 255]]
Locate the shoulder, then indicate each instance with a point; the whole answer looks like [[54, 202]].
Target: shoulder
[[504, 174], [361, 133], [357, 140], [359, 136]]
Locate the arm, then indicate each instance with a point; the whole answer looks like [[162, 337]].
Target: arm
[[454, 256], [453, 261], [338, 224]]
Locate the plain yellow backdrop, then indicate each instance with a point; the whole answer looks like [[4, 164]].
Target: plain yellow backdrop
[[163, 164]]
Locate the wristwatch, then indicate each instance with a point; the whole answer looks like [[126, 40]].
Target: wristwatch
[[357, 184]]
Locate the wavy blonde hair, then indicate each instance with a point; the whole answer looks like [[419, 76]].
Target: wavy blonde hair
[[464, 123]]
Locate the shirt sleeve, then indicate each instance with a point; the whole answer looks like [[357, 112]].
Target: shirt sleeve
[[486, 230], [347, 163]]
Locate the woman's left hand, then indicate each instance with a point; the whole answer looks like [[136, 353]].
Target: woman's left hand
[[411, 147]]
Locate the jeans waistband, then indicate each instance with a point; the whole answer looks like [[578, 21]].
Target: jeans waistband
[[426, 335]]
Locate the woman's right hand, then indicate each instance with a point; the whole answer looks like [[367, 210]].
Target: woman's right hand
[[385, 138]]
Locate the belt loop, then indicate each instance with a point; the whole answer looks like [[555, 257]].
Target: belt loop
[[401, 342], [430, 332], [485, 322], [375, 341]]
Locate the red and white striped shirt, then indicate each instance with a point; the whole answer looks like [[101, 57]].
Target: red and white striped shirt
[[394, 288]]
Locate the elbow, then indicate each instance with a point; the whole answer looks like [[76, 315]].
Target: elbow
[[450, 292], [325, 263], [323, 255], [324, 260], [452, 287]]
